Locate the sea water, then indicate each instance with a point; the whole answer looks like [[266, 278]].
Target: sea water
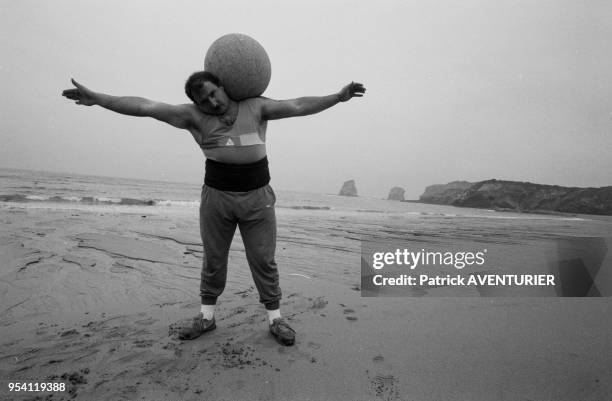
[[29, 188]]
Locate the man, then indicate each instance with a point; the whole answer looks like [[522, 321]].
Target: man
[[236, 192]]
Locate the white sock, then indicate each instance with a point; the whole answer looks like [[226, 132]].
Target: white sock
[[273, 314], [208, 311]]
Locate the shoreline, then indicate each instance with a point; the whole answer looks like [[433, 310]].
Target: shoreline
[[508, 210]]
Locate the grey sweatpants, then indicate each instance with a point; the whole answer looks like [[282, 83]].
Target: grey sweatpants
[[253, 213]]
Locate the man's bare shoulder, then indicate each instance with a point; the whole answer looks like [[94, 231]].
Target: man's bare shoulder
[[258, 104], [190, 108], [194, 112], [259, 100]]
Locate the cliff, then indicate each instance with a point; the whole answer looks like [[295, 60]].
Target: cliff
[[521, 196], [444, 194]]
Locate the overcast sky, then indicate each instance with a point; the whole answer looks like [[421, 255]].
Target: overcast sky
[[456, 90]]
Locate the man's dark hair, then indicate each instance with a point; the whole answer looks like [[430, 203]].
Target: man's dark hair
[[197, 79]]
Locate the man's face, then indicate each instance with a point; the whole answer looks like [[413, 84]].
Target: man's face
[[211, 99]]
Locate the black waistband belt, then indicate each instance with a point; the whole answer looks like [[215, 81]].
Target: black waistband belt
[[237, 177]]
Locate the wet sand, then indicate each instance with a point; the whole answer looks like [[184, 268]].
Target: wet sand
[[88, 295]]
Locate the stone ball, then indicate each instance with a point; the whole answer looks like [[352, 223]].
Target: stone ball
[[241, 63]]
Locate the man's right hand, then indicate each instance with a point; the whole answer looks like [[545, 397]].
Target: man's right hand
[[81, 94]]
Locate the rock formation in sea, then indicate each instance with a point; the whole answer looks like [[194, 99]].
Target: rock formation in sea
[[348, 189], [521, 196], [396, 193]]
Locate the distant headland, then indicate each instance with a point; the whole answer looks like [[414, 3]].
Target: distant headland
[[521, 197]]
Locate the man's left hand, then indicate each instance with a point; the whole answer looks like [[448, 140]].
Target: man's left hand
[[354, 89]]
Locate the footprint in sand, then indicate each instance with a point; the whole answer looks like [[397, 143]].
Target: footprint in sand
[[235, 355], [236, 311], [146, 322], [349, 312], [385, 387], [71, 332], [143, 343], [318, 303]]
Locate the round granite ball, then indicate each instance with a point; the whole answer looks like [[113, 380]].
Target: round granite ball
[[241, 64]]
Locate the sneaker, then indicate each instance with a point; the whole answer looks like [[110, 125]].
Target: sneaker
[[196, 327], [283, 333]]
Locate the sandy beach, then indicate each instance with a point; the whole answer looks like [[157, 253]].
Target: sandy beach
[[89, 295]]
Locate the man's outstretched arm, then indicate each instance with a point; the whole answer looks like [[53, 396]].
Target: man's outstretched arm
[[180, 116], [303, 106]]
